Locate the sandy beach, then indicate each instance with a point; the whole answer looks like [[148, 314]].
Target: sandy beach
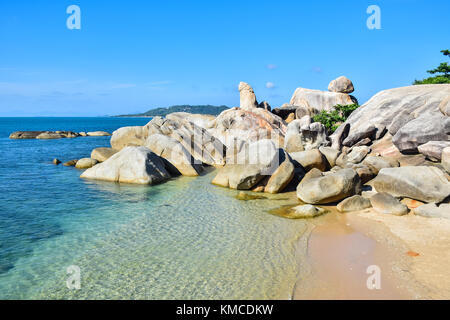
[[409, 250]]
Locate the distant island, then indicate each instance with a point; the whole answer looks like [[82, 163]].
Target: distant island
[[200, 109]]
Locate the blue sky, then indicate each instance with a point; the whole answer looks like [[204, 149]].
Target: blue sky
[[131, 56]]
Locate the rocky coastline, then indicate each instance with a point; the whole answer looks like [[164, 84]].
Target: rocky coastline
[[389, 160], [392, 150]]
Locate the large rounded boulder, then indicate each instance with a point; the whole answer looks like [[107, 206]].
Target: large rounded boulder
[[423, 183], [174, 152], [256, 161], [137, 165], [412, 115], [319, 188]]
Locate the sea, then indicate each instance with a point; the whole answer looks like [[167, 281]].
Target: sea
[[63, 237]]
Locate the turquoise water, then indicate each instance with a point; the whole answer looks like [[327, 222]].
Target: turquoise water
[[184, 239]]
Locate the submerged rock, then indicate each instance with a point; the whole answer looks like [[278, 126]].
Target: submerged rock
[[25, 134], [98, 134], [354, 203], [70, 163], [317, 188], [43, 135], [244, 196], [387, 204], [136, 165], [85, 163], [424, 183], [306, 211], [49, 136]]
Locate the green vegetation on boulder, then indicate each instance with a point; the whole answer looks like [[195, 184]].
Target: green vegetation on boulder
[[332, 119]]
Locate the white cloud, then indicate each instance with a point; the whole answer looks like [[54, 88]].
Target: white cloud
[[270, 85], [271, 66]]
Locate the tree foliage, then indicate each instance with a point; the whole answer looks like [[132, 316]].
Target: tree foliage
[[332, 119], [200, 109], [442, 73]]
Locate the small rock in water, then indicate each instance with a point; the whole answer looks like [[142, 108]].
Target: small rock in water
[[85, 163], [56, 161], [49, 136], [387, 204], [246, 196], [98, 134], [306, 211], [70, 163]]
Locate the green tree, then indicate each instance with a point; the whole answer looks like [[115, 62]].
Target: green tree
[[442, 73], [334, 118]]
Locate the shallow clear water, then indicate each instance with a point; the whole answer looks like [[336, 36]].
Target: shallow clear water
[[185, 239]]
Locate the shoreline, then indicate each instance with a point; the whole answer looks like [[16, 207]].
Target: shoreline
[[341, 247]]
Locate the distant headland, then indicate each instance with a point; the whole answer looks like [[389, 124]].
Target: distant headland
[[198, 109]]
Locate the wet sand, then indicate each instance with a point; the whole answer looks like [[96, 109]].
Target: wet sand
[[427, 241], [411, 253]]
